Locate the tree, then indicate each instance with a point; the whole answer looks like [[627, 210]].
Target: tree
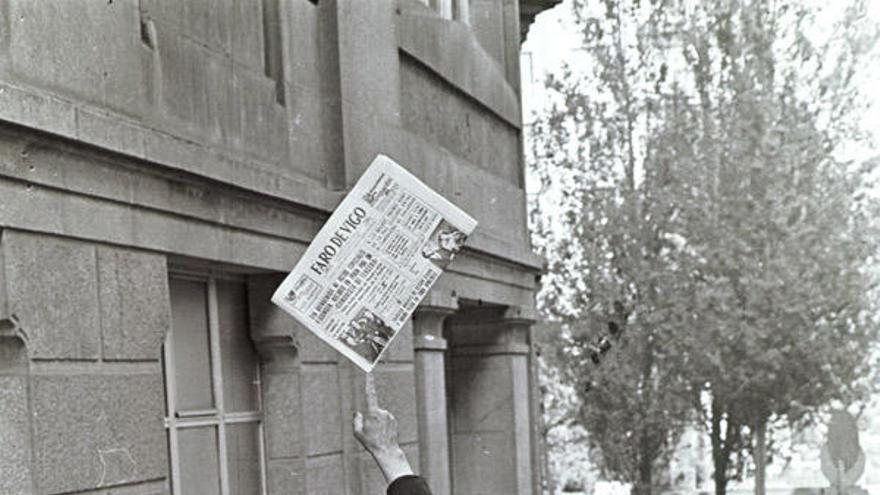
[[610, 261], [693, 175], [561, 437], [782, 242]]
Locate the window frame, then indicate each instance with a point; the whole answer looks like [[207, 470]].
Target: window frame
[[175, 421]]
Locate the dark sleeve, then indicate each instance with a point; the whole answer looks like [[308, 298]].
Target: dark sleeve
[[409, 485]]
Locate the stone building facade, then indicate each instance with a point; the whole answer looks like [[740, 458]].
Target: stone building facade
[[163, 163]]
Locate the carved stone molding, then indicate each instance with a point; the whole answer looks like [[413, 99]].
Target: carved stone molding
[[272, 330], [428, 327]]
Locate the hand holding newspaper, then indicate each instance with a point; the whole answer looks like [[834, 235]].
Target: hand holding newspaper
[[374, 260]]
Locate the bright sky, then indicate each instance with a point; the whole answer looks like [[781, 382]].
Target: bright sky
[[553, 40]]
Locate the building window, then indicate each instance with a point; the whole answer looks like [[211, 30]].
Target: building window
[[214, 414], [273, 61], [449, 9]]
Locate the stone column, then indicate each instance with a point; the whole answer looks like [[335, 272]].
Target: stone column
[[281, 389], [430, 370], [492, 437]]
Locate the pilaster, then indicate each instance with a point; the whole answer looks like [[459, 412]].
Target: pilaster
[[430, 368], [281, 389], [491, 393]]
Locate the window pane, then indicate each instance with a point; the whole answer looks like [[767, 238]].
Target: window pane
[[199, 461], [243, 448], [191, 345], [237, 350]]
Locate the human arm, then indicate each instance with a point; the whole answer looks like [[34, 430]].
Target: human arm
[[376, 430]]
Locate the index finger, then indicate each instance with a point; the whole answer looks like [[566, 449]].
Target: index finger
[[372, 399]]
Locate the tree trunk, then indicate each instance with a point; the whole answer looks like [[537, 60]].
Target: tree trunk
[[720, 456], [646, 481], [760, 456]]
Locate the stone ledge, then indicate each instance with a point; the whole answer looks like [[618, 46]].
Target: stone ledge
[[492, 350], [185, 237], [464, 287], [123, 134], [44, 210], [450, 49], [452, 177], [47, 161], [429, 343], [489, 267], [37, 110]]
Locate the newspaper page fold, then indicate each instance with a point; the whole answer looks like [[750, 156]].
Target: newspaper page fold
[[374, 260]]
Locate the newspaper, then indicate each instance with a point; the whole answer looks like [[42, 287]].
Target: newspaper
[[373, 262]]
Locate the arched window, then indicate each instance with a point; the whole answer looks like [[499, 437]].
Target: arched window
[[214, 413]]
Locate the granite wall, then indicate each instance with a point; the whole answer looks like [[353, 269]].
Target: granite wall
[[140, 136]]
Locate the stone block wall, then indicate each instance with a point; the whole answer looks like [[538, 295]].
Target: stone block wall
[[311, 394], [93, 315], [15, 456], [201, 71], [490, 396], [97, 427], [80, 365], [138, 135], [286, 99], [440, 113], [80, 301]]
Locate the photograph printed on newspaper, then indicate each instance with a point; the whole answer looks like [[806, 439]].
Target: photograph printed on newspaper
[[374, 260]]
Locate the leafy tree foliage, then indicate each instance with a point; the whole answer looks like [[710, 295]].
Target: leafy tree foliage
[[691, 191], [566, 460]]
